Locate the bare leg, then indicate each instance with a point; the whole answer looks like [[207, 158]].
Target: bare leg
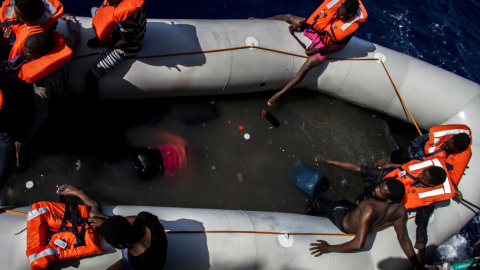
[[312, 61], [289, 18], [69, 190], [344, 165]]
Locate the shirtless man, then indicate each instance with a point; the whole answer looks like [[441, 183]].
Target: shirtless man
[[384, 207], [142, 238]]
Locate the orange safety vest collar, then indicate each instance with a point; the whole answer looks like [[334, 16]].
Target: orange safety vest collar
[[39, 68], [107, 16], [47, 218], [416, 196], [324, 20]]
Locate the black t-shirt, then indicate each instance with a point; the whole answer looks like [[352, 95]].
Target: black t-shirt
[[155, 256]]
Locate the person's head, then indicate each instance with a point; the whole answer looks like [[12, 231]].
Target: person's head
[[390, 190], [114, 2], [28, 11], [457, 143], [147, 162], [431, 176], [348, 9], [37, 45], [118, 232]]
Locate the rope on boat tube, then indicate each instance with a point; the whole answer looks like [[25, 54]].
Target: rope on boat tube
[[249, 232], [276, 51]]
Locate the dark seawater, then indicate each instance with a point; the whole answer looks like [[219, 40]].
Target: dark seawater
[[444, 33]]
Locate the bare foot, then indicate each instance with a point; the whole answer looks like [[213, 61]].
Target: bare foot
[[67, 190], [253, 18], [320, 159]]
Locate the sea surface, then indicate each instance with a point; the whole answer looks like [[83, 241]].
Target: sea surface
[[444, 33]]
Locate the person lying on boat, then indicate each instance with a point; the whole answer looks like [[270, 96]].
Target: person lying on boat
[[372, 213], [426, 182], [141, 238], [43, 62], [450, 142], [119, 26], [330, 28]]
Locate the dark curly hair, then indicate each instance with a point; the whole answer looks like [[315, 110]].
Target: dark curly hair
[[461, 141], [396, 188], [41, 43], [351, 6], [437, 175], [117, 231], [31, 9]]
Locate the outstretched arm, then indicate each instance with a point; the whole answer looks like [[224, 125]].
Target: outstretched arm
[[404, 240], [69, 190], [355, 244], [344, 165]]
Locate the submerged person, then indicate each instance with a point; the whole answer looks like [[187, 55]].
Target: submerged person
[[330, 28], [169, 157], [120, 26], [384, 207], [450, 142], [142, 237], [426, 182]]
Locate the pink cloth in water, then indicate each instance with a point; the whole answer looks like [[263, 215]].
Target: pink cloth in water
[[316, 42], [174, 158]]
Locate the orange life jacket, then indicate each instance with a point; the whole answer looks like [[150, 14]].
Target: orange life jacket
[[107, 16], [324, 20], [52, 11], [416, 196], [456, 163], [37, 69], [50, 226]]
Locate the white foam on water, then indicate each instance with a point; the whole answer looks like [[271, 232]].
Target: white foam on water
[[454, 248]]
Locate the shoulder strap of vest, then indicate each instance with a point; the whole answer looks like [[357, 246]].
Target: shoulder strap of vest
[[407, 173], [71, 215], [434, 152], [9, 23]]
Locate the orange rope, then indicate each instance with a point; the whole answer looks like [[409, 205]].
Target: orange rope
[[400, 97], [252, 232], [13, 212], [281, 52]]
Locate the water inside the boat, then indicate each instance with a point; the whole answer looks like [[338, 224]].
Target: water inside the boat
[[224, 170]]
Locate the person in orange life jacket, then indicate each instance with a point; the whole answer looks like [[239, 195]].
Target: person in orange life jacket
[[384, 207], [34, 16], [344, 12], [142, 238], [456, 152], [124, 42], [51, 91], [430, 177]]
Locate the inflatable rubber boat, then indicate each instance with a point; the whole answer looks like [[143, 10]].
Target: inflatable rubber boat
[[213, 57]]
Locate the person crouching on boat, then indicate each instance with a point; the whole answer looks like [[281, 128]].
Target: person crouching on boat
[[369, 214], [449, 142], [330, 28], [43, 61], [426, 183], [142, 237], [119, 26]]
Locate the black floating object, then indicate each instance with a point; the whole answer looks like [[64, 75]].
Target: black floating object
[[201, 113], [272, 119]]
